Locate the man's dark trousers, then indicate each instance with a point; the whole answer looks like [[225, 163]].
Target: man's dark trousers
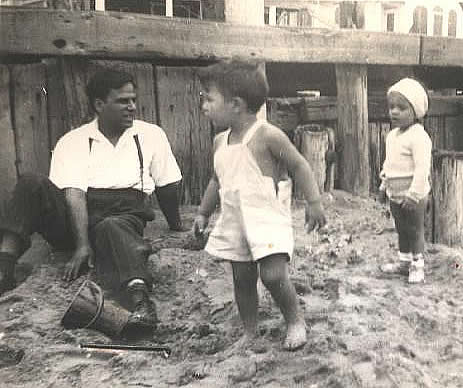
[[117, 218]]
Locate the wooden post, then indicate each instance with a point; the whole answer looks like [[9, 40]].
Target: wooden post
[[353, 135], [447, 182], [314, 145]]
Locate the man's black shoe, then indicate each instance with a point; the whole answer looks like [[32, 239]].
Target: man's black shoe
[[144, 309], [144, 314]]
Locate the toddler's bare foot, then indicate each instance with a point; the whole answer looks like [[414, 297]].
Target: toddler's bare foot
[[243, 345], [296, 336]]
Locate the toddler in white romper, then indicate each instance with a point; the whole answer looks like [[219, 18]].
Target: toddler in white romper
[[255, 219]]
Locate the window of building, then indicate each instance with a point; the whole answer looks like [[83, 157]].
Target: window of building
[[438, 21], [420, 21], [305, 18], [267, 15], [452, 23], [140, 6], [182, 8], [287, 17], [390, 21]]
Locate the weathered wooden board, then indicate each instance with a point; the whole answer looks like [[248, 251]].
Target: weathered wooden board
[[8, 175], [314, 146], [284, 113], [448, 205], [188, 131], [353, 136], [119, 35], [435, 126], [58, 114], [30, 118], [454, 129], [75, 76], [436, 51]]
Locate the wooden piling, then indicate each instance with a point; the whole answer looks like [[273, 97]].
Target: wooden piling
[[352, 131], [447, 188]]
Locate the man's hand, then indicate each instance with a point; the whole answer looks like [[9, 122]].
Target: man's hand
[[82, 255], [199, 225], [314, 216], [408, 204]]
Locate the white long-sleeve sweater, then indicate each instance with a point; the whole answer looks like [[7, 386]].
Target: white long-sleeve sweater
[[407, 166]]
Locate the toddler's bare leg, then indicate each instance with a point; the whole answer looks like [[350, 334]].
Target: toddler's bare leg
[[275, 276], [245, 284]]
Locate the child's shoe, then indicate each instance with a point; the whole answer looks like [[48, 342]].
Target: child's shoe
[[416, 272], [400, 266]]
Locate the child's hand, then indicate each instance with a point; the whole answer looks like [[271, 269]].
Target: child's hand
[[408, 204], [199, 225], [381, 196], [314, 216]]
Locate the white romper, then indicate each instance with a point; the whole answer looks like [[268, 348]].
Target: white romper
[[255, 219]]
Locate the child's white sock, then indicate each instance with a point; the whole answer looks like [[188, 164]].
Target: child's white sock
[[416, 272]]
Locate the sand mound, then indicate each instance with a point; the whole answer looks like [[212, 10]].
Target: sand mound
[[366, 329]]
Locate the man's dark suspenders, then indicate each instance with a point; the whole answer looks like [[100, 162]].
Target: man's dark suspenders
[[140, 159], [140, 155]]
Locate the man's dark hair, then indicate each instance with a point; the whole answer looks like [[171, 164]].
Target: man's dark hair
[[237, 78], [101, 83]]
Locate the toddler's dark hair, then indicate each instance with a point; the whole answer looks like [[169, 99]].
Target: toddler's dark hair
[[238, 78]]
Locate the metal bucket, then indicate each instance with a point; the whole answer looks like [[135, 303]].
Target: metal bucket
[[89, 310]]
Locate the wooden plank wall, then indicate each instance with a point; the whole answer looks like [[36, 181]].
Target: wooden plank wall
[[40, 102], [8, 173], [443, 122], [30, 118], [189, 132]]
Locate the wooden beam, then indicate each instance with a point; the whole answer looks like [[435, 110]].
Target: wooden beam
[[442, 52], [118, 35]]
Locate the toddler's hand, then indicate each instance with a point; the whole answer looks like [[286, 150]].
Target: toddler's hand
[[314, 216], [408, 204], [381, 196], [199, 225]]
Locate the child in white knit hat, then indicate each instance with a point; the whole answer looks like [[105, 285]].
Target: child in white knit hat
[[405, 174]]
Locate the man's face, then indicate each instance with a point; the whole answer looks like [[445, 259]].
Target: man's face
[[216, 107], [400, 111], [117, 111]]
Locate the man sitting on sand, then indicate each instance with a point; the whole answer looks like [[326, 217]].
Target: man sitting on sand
[[95, 200]]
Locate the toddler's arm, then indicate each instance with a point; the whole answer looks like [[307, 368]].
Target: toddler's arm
[[285, 152], [421, 149]]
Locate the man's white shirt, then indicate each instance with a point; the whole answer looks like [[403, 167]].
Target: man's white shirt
[[75, 164]]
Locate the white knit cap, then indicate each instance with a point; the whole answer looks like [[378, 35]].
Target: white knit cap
[[414, 92]]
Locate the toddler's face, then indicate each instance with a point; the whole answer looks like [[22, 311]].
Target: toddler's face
[[400, 111], [216, 107]]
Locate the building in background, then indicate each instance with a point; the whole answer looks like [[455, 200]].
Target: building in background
[[428, 17]]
